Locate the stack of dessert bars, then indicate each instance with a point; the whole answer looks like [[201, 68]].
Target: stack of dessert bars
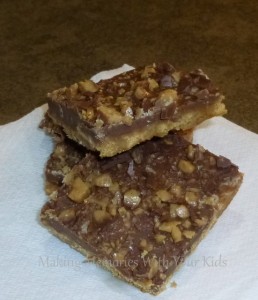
[[126, 186]]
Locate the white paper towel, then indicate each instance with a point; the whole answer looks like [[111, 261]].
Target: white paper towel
[[36, 265]]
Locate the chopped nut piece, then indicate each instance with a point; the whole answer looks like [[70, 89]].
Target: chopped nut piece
[[149, 169], [189, 234], [187, 224], [167, 226], [212, 200], [99, 123], [117, 198], [176, 233], [72, 91], [147, 71], [124, 104], [156, 221], [121, 91], [168, 141], [173, 210], [88, 86], [88, 113], [120, 256], [132, 198], [80, 190], [201, 222], [69, 178], [112, 209], [191, 198], [173, 284], [84, 227], [164, 195], [137, 155], [166, 97], [103, 180], [160, 238], [153, 84], [140, 93], [154, 268], [190, 152], [138, 211], [50, 188], [66, 170], [144, 245], [176, 190], [114, 187], [123, 212], [182, 211], [176, 75], [67, 215], [101, 216], [162, 276], [59, 150], [110, 115], [186, 166]]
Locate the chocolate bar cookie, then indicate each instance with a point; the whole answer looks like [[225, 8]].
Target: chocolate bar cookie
[[140, 213], [116, 114]]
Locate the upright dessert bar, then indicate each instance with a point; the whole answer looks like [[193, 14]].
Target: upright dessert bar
[[140, 213], [116, 114]]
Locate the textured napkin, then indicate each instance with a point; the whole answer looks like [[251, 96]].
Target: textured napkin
[[36, 265]]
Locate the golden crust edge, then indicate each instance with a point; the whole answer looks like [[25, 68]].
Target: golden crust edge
[[110, 147]]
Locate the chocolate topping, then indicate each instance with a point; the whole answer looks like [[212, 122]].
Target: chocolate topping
[[132, 95], [147, 206]]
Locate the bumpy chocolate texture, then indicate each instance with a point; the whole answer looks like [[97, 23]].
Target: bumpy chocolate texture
[[116, 114], [140, 213], [66, 154]]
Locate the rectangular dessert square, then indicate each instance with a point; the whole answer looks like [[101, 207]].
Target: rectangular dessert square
[[114, 115], [140, 213]]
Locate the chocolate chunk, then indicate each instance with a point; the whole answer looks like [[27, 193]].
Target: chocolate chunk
[[184, 84], [167, 81]]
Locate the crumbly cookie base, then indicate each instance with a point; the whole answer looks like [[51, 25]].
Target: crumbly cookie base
[[49, 220], [111, 146]]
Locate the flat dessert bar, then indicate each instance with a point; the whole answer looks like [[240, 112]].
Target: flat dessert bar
[[140, 213], [116, 114]]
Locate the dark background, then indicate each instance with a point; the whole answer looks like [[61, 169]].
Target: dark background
[[48, 44]]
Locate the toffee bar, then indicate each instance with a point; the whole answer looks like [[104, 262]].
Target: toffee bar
[[114, 115], [140, 213]]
